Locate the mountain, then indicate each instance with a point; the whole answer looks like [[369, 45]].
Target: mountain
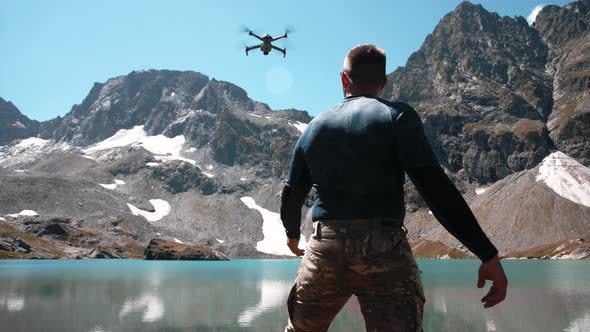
[[488, 96], [210, 114], [163, 154], [13, 124]]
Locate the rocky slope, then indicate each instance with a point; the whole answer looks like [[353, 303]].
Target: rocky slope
[[548, 203]]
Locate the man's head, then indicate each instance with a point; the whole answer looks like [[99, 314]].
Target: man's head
[[363, 71]]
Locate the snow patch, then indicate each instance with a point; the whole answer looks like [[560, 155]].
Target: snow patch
[[24, 213], [31, 142], [192, 149], [161, 207], [255, 115], [152, 164], [243, 179], [480, 191], [209, 175], [2, 219], [20, 170], [209, 167], [300, 126], [220, 241], [566, 177], [275, 239], [164, 148], [112, 185], [177, 240]]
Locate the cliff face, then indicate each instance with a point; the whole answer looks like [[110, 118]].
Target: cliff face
[[566, 33], [489, 100], [13, 124]]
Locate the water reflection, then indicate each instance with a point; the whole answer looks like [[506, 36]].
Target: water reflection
[[251, 295], [12, 302], [273, 294]]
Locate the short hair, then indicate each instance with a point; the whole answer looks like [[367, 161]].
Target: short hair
[[365, 64]]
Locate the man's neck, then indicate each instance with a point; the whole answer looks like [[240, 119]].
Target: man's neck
[[363, 90], [366, 93]]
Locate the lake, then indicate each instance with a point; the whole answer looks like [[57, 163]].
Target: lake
[[250, 295]]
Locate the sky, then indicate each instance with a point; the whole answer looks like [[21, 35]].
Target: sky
[[53, 51]]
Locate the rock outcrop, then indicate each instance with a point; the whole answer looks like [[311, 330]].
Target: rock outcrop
[[159, 249]]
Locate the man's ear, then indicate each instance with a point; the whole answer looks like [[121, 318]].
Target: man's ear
[[383, 83], [345, 80]]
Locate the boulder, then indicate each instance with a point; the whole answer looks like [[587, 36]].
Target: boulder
[[159, 249]]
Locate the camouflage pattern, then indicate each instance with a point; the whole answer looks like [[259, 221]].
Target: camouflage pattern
[[366, 258]]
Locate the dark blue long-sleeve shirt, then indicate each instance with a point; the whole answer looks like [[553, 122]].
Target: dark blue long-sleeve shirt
[[356, 154]]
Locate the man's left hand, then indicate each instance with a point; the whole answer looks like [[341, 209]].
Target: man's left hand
[[293, 245]]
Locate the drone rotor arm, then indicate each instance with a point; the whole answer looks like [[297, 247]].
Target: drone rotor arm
[[279, 37], [255, 35], [282, 50]]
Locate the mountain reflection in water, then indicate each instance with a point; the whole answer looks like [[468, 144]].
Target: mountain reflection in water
[[250, 295]]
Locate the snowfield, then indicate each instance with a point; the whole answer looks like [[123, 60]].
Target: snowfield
[[161, 207], [164, 148], [566, 177], [275, 239]]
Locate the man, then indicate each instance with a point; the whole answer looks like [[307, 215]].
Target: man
[[355, 156]]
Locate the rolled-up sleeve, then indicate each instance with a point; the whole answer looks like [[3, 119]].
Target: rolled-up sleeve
[[297, 186]]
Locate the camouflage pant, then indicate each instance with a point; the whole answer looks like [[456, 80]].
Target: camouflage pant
[[366, 258]]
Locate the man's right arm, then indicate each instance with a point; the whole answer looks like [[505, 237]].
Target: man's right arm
[[297, 186]]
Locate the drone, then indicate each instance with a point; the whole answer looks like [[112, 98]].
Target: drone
[[267, 45]]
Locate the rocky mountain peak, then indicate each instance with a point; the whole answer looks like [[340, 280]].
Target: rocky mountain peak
[[559, 25], [473, 80], [13, 124]]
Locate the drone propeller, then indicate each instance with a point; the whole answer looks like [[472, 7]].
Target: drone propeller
[[244, 28], [289, 29]]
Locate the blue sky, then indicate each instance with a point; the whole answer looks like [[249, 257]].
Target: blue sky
[[53, 51]]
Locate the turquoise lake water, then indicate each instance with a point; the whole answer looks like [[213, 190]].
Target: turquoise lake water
[[250, 295]]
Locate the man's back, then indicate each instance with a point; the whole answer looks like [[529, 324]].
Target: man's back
[[348, 150]]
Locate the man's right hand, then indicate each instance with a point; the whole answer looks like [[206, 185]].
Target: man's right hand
[[293, 245], [492, 270]]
